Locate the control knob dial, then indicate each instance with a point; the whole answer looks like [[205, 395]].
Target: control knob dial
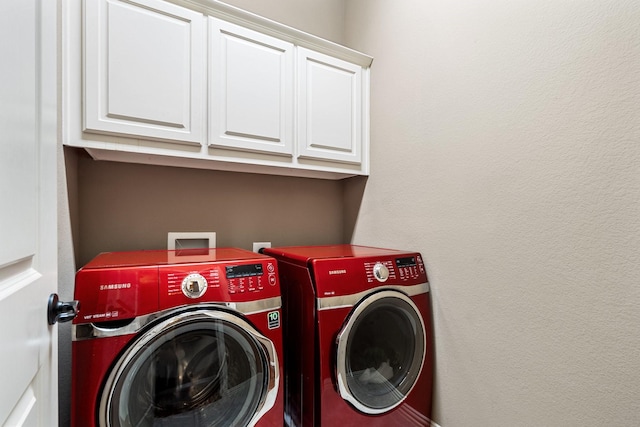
[[194, 285], [380, 272]]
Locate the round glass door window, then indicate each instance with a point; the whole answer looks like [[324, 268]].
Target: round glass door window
[[204, 368], [381, 350]]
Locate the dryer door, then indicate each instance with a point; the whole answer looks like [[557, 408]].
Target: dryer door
[[197, 368], [380, 352]]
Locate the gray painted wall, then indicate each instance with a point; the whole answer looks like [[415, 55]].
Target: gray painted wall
[[126, 206], [505, 143]]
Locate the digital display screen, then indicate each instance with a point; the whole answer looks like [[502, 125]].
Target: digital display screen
[[244, 271], [406, 262]]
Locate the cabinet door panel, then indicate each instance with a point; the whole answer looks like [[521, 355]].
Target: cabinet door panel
[[144, 69], [251, 92], [330, 108]]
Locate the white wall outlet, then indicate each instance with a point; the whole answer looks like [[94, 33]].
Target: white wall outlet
[[259, 245]]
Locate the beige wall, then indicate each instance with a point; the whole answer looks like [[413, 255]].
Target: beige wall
[[126, 206], [506, 148], [323, 18]]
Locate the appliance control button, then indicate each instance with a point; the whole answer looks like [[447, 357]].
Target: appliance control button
[[194, 285], [380, 272]]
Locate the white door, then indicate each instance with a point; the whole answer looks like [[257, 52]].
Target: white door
[[28, 244]]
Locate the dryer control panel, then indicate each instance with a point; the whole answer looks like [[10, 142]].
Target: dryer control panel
[[395, 269], [347, 276], [410, 267], [340, 270]]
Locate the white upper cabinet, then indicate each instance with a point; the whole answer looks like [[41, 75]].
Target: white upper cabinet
[[330, 108], [250, 90], [144, 69], [202, 84]]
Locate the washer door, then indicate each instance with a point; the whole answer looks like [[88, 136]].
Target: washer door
[[197, 368], [380, 352]]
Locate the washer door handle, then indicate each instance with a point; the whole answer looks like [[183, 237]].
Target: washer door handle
[[60, 311]]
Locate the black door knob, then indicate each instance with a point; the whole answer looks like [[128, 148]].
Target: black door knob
[[60, 311]]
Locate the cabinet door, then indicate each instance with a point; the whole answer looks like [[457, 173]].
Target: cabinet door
[[251, 90], [329, 108], [144, 69]]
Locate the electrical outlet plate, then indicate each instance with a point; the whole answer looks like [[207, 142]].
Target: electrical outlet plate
[[259, 245]]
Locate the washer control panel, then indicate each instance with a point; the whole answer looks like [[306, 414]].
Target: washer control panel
[[396, 269], [214, 281], [250, 277]]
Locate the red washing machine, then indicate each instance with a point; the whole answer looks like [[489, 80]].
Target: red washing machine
[[358, 336], [178, 338]]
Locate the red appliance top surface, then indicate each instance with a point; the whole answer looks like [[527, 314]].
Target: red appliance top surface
[[165, 257], [303, 254]]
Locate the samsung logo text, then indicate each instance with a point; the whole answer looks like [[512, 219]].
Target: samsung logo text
[[333, 272]]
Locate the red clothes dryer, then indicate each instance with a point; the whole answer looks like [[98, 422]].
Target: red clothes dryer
[[358, 337], [178, 338]]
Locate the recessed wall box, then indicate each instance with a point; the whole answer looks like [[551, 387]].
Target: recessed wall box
[[191, 240]]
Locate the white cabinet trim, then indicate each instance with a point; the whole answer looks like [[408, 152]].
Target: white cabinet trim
[[250, 20]]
